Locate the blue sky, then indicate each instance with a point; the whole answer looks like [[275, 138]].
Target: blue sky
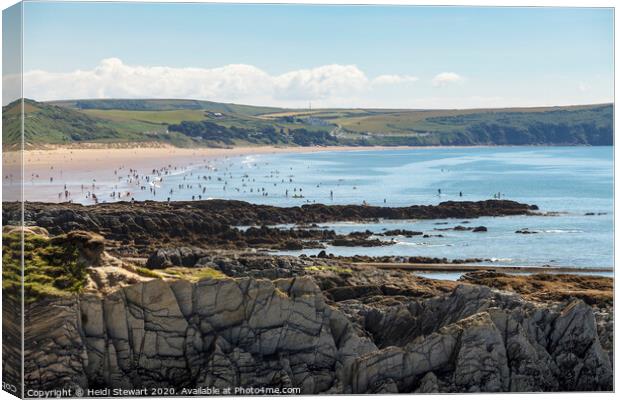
[[288, 55]]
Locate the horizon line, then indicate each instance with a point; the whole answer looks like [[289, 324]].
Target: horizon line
[[612, 103]]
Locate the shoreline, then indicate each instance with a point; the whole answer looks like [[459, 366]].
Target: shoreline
[[93, 152], [65, 156], [509, 269], [97, 164]]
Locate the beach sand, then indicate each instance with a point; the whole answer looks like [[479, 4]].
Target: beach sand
[[47, 171], [71, 159], [103, 155]]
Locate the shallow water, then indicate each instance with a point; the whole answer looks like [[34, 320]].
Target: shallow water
[[570, 180]]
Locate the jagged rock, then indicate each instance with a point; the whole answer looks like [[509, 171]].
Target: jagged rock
[[428, 384], [54, 353], [256, 332], [175, 256], [577, 351]]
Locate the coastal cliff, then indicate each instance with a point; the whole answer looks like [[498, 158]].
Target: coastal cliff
[[152, 295], [320, 325], [255, 332]]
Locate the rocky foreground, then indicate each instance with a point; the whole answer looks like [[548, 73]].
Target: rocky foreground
[[187, 317]]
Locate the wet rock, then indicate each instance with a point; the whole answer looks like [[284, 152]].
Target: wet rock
[[402, 232], [293, 245], [212, 221], [526, 231], [360, 242]]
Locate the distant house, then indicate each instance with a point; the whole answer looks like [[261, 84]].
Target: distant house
[[214, 114]]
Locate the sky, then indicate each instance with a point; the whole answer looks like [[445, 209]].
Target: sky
[[327, 56]]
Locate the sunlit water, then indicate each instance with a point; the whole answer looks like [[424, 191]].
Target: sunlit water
[[570, 180]]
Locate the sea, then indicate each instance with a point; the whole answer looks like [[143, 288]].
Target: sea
[[573, 184]]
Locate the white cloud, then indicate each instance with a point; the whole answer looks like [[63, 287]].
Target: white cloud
[[113, 78], [332, 85], [320, 83], [446, 78], [393, 79]]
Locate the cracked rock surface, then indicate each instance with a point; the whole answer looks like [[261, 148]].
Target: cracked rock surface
[[286, 332]]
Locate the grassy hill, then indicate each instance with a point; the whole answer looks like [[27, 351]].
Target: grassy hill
[[45, 123], [204, 123], [571, 125], [164, 105], [51, 124]]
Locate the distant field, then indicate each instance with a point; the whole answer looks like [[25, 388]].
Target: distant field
[[154, 117], [205, 123], [164, 105], [407, 121]]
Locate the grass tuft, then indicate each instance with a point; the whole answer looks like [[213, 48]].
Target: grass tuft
[[49, 269], [195, 274]]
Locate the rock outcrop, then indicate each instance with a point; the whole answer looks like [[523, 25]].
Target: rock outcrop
[[545, 287], [136, 226], [284, 333], [479, 339], [165, 302]]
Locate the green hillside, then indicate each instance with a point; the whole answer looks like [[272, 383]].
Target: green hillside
[[51, 124], [583, 125], [45, 123], [204, 123], [165, 105]]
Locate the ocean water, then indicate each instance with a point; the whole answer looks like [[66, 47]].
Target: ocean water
[[573, 181], [570, 180]]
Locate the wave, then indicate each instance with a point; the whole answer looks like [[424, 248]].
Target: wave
[[249, 160], [422, 244]]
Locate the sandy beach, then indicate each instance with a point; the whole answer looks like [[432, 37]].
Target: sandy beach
[[74, 158], [47, 171]]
